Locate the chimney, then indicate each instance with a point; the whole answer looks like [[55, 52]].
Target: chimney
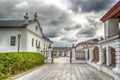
[[35, 16], [26, 17]]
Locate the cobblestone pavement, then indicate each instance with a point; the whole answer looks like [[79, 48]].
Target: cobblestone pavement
[[65, 71]]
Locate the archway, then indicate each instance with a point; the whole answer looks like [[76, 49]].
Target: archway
[[96, 54]]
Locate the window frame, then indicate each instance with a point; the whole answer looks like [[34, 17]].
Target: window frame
[[12, 40]]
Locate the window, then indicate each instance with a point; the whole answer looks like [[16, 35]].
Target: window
[[39, 45], [36, 28], [32, 42], [13, 41], [36, 43]]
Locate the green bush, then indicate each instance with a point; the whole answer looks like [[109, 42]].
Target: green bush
[[14, 62]]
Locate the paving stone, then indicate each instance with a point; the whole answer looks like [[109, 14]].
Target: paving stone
[[63, 70]]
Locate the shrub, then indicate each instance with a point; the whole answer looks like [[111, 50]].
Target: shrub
[[14, 62]]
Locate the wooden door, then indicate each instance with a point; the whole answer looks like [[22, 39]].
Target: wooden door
[[113, 60], [96, 54]]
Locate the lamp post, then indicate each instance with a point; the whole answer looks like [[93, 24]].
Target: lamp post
[[19, 36]]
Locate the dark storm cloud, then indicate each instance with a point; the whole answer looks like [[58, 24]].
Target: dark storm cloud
[[87, 32], [52, 18], [51, 34], [90, 29], [90, 5], [72, 27], [6, 7], [68, 39]]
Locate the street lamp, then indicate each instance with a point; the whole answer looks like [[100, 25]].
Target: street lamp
[[19, 36]]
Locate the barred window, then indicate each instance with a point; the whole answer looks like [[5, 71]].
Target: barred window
[[13, 41], [32, 42]]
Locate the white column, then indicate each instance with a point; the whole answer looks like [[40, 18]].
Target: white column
[[73, 55], [91, 53], [49, 59], [108, 55], [100, 56], [117, 49], [86, 54], [62, 53], [57, 53]]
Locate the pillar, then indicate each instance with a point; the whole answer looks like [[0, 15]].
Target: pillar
[[73, 54], [108, 57], [49, 58], [91, 53], [86, 54], [100, 56], [57, 53], [63, 53], [117, 49]]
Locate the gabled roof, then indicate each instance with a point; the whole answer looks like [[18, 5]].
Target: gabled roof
[[12, 23], [114, 12]]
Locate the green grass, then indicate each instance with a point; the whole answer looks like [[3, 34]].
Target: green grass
[[13, 62], [55, 56]]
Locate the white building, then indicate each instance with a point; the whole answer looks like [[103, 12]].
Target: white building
[[61, 51], [22, 35], [105, 55]]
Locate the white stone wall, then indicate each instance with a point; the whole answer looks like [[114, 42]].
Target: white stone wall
[[32, 27], [5, 38], [25, 41]]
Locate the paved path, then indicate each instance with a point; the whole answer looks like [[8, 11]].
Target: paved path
[[62, 60], [65, 71]]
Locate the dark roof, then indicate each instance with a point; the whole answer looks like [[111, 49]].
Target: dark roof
[[62, 48], [91, 41], [114, 12], [12, 23], [47, 39]]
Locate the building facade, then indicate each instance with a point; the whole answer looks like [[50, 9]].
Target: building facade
[[105, 55], [61, 51], [22, 35]]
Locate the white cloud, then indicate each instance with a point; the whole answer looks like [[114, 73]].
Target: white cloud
[[22, 5]]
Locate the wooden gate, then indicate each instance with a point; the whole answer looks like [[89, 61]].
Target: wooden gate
[[113, 60], [96, 54], [70, 56], [88, 54], [52, 56], [80, 55]]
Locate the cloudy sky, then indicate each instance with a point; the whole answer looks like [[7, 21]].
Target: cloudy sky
[[63, 21]]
